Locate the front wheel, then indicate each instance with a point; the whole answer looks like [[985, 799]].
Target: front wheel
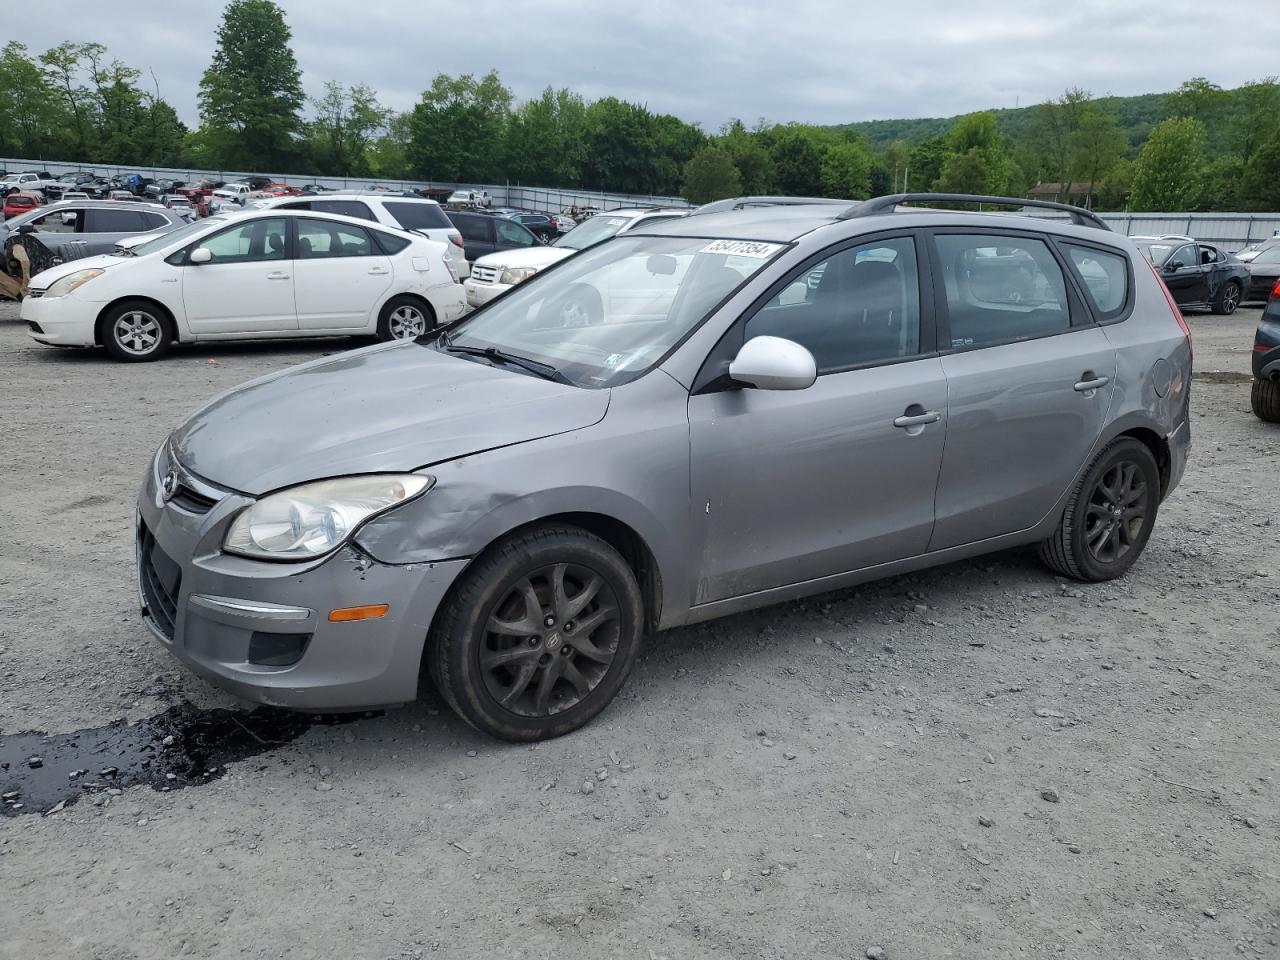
[[136, 331], [539, 635], [1265, 400], [1228, 298], [404, 318], [1109, 516]]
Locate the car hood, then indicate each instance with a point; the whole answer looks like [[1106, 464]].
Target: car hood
[[50, 276], [394, 407], [537, 257]]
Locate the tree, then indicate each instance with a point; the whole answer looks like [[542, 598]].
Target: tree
[[1260, 184], [456, 130], [797, 162], [1054, 131], [389, 156], [61, 66], [963, 173], [1259, 116], [710, 175], [544, 139], [977, 161], [1097, 144], [619, 147], [30, 121], [347, 122], [251, 94], [846, 171], [925, 164], [1201, 100], [750, 156], [1167, 174]]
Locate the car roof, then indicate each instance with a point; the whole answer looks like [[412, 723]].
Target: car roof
[[264, 212], [358, 195]]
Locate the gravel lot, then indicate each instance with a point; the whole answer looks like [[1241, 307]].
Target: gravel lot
[[861, 770]]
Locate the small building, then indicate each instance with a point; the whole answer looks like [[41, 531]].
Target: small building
[[1077, 192]]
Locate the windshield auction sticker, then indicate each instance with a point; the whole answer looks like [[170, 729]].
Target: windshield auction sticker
[[743, 248]]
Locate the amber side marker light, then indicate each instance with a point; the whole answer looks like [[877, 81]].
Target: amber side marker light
[[347, 614]]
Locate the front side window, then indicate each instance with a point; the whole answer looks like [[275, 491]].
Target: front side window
[[859, 306], [1105, 276], [513, 233], [249, 242], [1185, 256], [1000, 289], [318, 239], [59, 221], [607, 315]]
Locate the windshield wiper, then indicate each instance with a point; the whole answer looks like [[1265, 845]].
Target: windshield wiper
[[494, 355]]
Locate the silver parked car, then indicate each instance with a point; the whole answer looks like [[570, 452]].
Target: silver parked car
[[71, 229], [777, 401]]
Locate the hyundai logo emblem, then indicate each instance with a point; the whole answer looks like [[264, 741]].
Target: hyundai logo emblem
[[169, 485]]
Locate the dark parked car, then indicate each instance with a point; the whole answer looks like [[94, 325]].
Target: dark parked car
[[484, 233], [1266, 362], [1264, 271], [1197, 274], [160, 189], [73, 229], [539, 224]]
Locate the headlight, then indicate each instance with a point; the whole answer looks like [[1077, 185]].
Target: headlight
[[72, 281], [516, 274], [317, 518]]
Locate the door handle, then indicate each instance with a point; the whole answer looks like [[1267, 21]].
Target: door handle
[[1090, 382], [907, 421], [278, 275], [378, 272]]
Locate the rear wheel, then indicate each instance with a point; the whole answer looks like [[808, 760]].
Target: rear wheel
[[1265, 400], [539, 636], [1228, 298], [136, 331], [1109, 517], [404, 318]]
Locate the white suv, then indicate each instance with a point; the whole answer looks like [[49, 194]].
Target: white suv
[[498, 272], [415, 214]]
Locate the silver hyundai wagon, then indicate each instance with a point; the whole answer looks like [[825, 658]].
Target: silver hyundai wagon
[[764, 402]]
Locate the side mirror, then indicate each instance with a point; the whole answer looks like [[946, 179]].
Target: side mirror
[[200, 255], [26, 228], [1173, 267], [772, 363]]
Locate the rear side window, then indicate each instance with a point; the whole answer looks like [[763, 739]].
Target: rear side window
[[347, 208], [474, 228], [389, 243], [1105, 276], [1000, 289], [417, 216], [113, 221], [320, 239]]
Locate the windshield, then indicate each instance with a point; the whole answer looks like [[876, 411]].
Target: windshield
[[1270, 254], [593, 231], [164, 241], [609, 314], [1157, 253]]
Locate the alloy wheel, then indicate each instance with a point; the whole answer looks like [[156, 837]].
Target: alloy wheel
[[550, 640], [1116, 512], [1230, 298], [136, 332], [406, 323]]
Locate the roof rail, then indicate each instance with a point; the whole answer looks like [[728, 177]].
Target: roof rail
[[741, 203], [867, 208]]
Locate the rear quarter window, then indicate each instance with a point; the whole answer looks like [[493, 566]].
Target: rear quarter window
[[417, 216], [389, 243], [1105, 278]]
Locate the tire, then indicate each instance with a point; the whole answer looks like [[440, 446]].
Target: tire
[[1265, 400], [1228, 298], [579, 306], [503, 668], [1092, 542], [405, 318], [136, 331]]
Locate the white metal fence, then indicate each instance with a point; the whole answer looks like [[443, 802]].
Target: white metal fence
[[510, 195]]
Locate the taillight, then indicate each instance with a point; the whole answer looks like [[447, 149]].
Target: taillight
[[1275, 291], [457, 241], [1173, 305]]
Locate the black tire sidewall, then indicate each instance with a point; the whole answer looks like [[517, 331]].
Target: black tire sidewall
[[459, 644], [1221, 305], [1264, 397], [403, 300], [129, 306], [1122, 450]]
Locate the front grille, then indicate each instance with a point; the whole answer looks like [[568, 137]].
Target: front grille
[[184, 498], [484, 274], [161, 580]]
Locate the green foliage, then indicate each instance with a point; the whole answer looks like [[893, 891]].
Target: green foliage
[[710, 175], [346, 125], [846, 171], [544, 140], [1260, 184], [456, 129], [797, 162], [251, 94], [1168, 171]]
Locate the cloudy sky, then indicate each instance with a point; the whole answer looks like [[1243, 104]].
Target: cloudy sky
[[821, 61]]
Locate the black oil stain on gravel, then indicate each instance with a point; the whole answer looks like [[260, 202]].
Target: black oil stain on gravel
[[182, 747]]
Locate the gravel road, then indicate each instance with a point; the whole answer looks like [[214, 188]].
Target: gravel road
[[979, 761]]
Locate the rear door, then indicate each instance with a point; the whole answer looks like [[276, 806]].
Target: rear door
[[248, 285], [477, 233], [1029, 382], [339, 275]]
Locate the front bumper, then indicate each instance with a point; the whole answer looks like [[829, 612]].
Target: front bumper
[[60, 321], [261, 630], [478, 294]]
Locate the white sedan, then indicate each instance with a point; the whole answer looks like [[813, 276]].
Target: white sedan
[[270, 274]]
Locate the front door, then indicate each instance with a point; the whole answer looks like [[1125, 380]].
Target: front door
[[1185, 276], [1028, 390], [248, 285], [790, 486], [339, 276]]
